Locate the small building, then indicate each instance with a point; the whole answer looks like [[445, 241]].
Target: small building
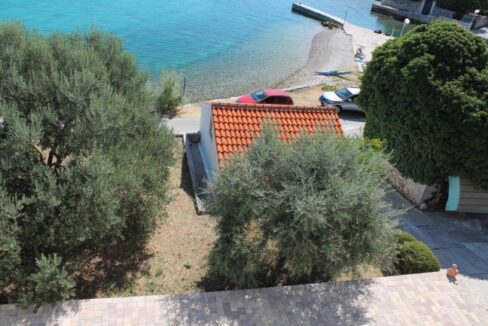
[[426, 11], [464, 196], [226, 128]]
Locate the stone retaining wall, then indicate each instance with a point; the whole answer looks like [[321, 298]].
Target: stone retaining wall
[[405, 5], [416, 193]]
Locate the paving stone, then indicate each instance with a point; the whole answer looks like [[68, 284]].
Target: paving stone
[[468, 262]]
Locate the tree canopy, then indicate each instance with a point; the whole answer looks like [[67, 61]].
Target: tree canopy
[[426, 94], [301, 212], [83, 164]]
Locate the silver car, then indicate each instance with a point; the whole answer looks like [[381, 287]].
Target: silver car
[[342, 99]]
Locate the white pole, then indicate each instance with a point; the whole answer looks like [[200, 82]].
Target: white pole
[[405, 22], [476, 12]]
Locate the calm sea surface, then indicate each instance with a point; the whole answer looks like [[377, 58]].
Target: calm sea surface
[[224, 47]]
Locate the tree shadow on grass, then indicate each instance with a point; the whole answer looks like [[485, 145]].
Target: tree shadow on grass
[[186, 182], [115, 270]]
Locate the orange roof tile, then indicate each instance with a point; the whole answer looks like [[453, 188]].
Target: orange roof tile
[[237, 125]]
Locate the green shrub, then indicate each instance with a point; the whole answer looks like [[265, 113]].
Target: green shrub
[[171, 96], [50, 283], [374, 144], [301, 212], [403, 237], [415, 256]]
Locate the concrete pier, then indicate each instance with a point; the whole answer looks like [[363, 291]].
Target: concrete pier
[[316, 14]]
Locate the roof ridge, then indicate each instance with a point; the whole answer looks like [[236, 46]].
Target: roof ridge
[[274, 107]]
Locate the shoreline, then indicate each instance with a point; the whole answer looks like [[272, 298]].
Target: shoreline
[[330, 49]]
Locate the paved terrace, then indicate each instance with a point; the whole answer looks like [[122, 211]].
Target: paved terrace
[[453, 237], [421, 299]]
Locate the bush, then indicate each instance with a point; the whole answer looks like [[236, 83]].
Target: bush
[[426, 94], [82, 162], [171, 95], [415, 256], [50, 283], [302, 212], [403, 237]]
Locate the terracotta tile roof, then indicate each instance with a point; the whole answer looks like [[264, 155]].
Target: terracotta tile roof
[[237, 125]]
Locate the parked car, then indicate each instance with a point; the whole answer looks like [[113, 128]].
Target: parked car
[[342, 99], [267, 96]]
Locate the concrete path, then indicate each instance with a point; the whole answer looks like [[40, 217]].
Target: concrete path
[[455, 238], [420, 299], [181, 126], [366, 38]]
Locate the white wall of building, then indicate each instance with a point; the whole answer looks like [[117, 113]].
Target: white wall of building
[[207, 146]]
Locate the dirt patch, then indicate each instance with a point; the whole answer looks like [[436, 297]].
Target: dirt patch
[[364, 273], [189, 110], [310, 95], [179, 248]]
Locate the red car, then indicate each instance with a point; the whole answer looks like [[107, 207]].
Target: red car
[[267, 96]]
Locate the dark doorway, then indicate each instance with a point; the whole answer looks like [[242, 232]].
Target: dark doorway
[[427, 7]]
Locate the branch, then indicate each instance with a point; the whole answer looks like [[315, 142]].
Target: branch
[[50, 159], [40, 153]]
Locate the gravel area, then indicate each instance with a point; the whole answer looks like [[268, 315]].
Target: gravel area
[[331, 49]]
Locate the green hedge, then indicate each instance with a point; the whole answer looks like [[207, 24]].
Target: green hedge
[[425, 94], [403, 237], [414, 256]]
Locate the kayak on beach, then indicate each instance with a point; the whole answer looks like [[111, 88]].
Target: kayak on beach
[[333, 72]]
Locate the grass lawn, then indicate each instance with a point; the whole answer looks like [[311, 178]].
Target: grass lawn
[[177, 251]]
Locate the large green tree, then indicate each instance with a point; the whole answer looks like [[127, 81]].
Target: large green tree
[[426, 94], [83, 164], [302, 212]]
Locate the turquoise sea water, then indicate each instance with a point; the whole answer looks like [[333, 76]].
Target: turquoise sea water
[[224, 47]]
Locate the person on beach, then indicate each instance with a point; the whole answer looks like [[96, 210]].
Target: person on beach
[[452, 272]]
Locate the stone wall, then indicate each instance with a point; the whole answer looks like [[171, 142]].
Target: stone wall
[[449, 14], [404, 5], [416, 193]]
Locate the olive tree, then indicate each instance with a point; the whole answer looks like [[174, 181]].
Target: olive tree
[[305, 211], [83, 165]]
